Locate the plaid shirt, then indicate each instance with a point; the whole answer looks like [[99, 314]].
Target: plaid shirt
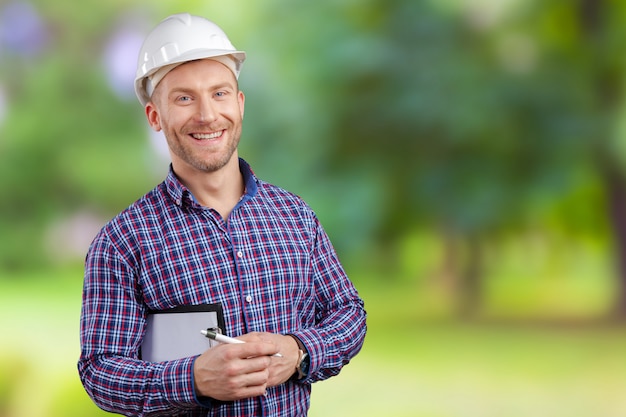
[[271, 266]]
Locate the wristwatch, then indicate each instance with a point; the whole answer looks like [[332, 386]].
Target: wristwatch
[[303, 364], [302, 367]]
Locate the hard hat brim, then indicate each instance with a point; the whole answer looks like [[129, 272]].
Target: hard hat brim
[[193, 55]]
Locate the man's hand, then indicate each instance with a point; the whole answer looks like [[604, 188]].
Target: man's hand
[[230, 372], [281, 368]]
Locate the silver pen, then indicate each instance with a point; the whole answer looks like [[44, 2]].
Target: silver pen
[[225, 339]]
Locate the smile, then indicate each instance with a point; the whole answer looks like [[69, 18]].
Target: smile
[[205, 136]]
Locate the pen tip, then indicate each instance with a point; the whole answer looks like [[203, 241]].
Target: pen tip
[[204, 332]]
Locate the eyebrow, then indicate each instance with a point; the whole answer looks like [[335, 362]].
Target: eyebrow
[[220, 86]]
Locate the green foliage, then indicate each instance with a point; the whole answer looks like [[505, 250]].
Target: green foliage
[[387, 116], [436, 118], [68, 142], [390, 117]]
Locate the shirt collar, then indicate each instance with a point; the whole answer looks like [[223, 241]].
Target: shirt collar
[[249, 179], [181, 194]]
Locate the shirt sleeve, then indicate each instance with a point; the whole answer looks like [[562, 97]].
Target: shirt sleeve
[[340, 318], [112, 325]]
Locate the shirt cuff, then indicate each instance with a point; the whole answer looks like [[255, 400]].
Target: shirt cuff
[[203, 401], [313, 347], [179, 384]]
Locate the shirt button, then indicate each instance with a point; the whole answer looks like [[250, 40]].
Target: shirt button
[[240, 254], [249, 299]]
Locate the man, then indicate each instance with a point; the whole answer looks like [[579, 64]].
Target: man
[[212, 233]]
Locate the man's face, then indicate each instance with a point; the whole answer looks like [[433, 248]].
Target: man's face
[[199, 107]]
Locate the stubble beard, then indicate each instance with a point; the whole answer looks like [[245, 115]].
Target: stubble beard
[[210, 164]]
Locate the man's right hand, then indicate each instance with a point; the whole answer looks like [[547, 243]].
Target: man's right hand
[[230, 372]]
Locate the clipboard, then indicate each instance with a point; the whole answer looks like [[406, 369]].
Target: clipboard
[[175, 333]]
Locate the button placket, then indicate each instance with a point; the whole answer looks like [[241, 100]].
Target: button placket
[[239, 255]]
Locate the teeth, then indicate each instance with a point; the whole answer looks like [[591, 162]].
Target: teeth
[[207, 135]]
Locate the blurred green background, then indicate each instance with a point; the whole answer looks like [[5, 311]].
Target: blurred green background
[[467, 157]]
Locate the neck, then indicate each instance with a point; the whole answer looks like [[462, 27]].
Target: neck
[[220, 190]]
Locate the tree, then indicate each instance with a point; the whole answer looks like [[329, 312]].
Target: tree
[[602, 40], [450, 120]]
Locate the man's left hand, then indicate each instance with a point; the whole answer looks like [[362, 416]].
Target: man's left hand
[[281, 368]]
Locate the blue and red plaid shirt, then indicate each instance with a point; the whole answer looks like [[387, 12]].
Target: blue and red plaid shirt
[[271, 266]]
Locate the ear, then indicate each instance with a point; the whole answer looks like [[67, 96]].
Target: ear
[[152, 114], [242, 100]]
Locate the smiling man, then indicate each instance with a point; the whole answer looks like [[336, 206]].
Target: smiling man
[[200, 109], [212, 233]]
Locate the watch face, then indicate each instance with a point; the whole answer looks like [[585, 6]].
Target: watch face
[[304, 363]]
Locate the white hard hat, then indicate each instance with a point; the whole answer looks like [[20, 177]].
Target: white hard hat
[[178, 39]]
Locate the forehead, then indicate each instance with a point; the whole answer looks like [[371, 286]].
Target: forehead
[[200, 72]]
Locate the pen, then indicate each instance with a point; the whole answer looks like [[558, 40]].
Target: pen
[[225, 339]]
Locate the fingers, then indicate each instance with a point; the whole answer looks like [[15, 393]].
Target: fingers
[[264, 344], [232, 372], [244, 385], [243, 363], [282, 368]]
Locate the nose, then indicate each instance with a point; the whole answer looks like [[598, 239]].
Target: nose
[[206, 110]]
